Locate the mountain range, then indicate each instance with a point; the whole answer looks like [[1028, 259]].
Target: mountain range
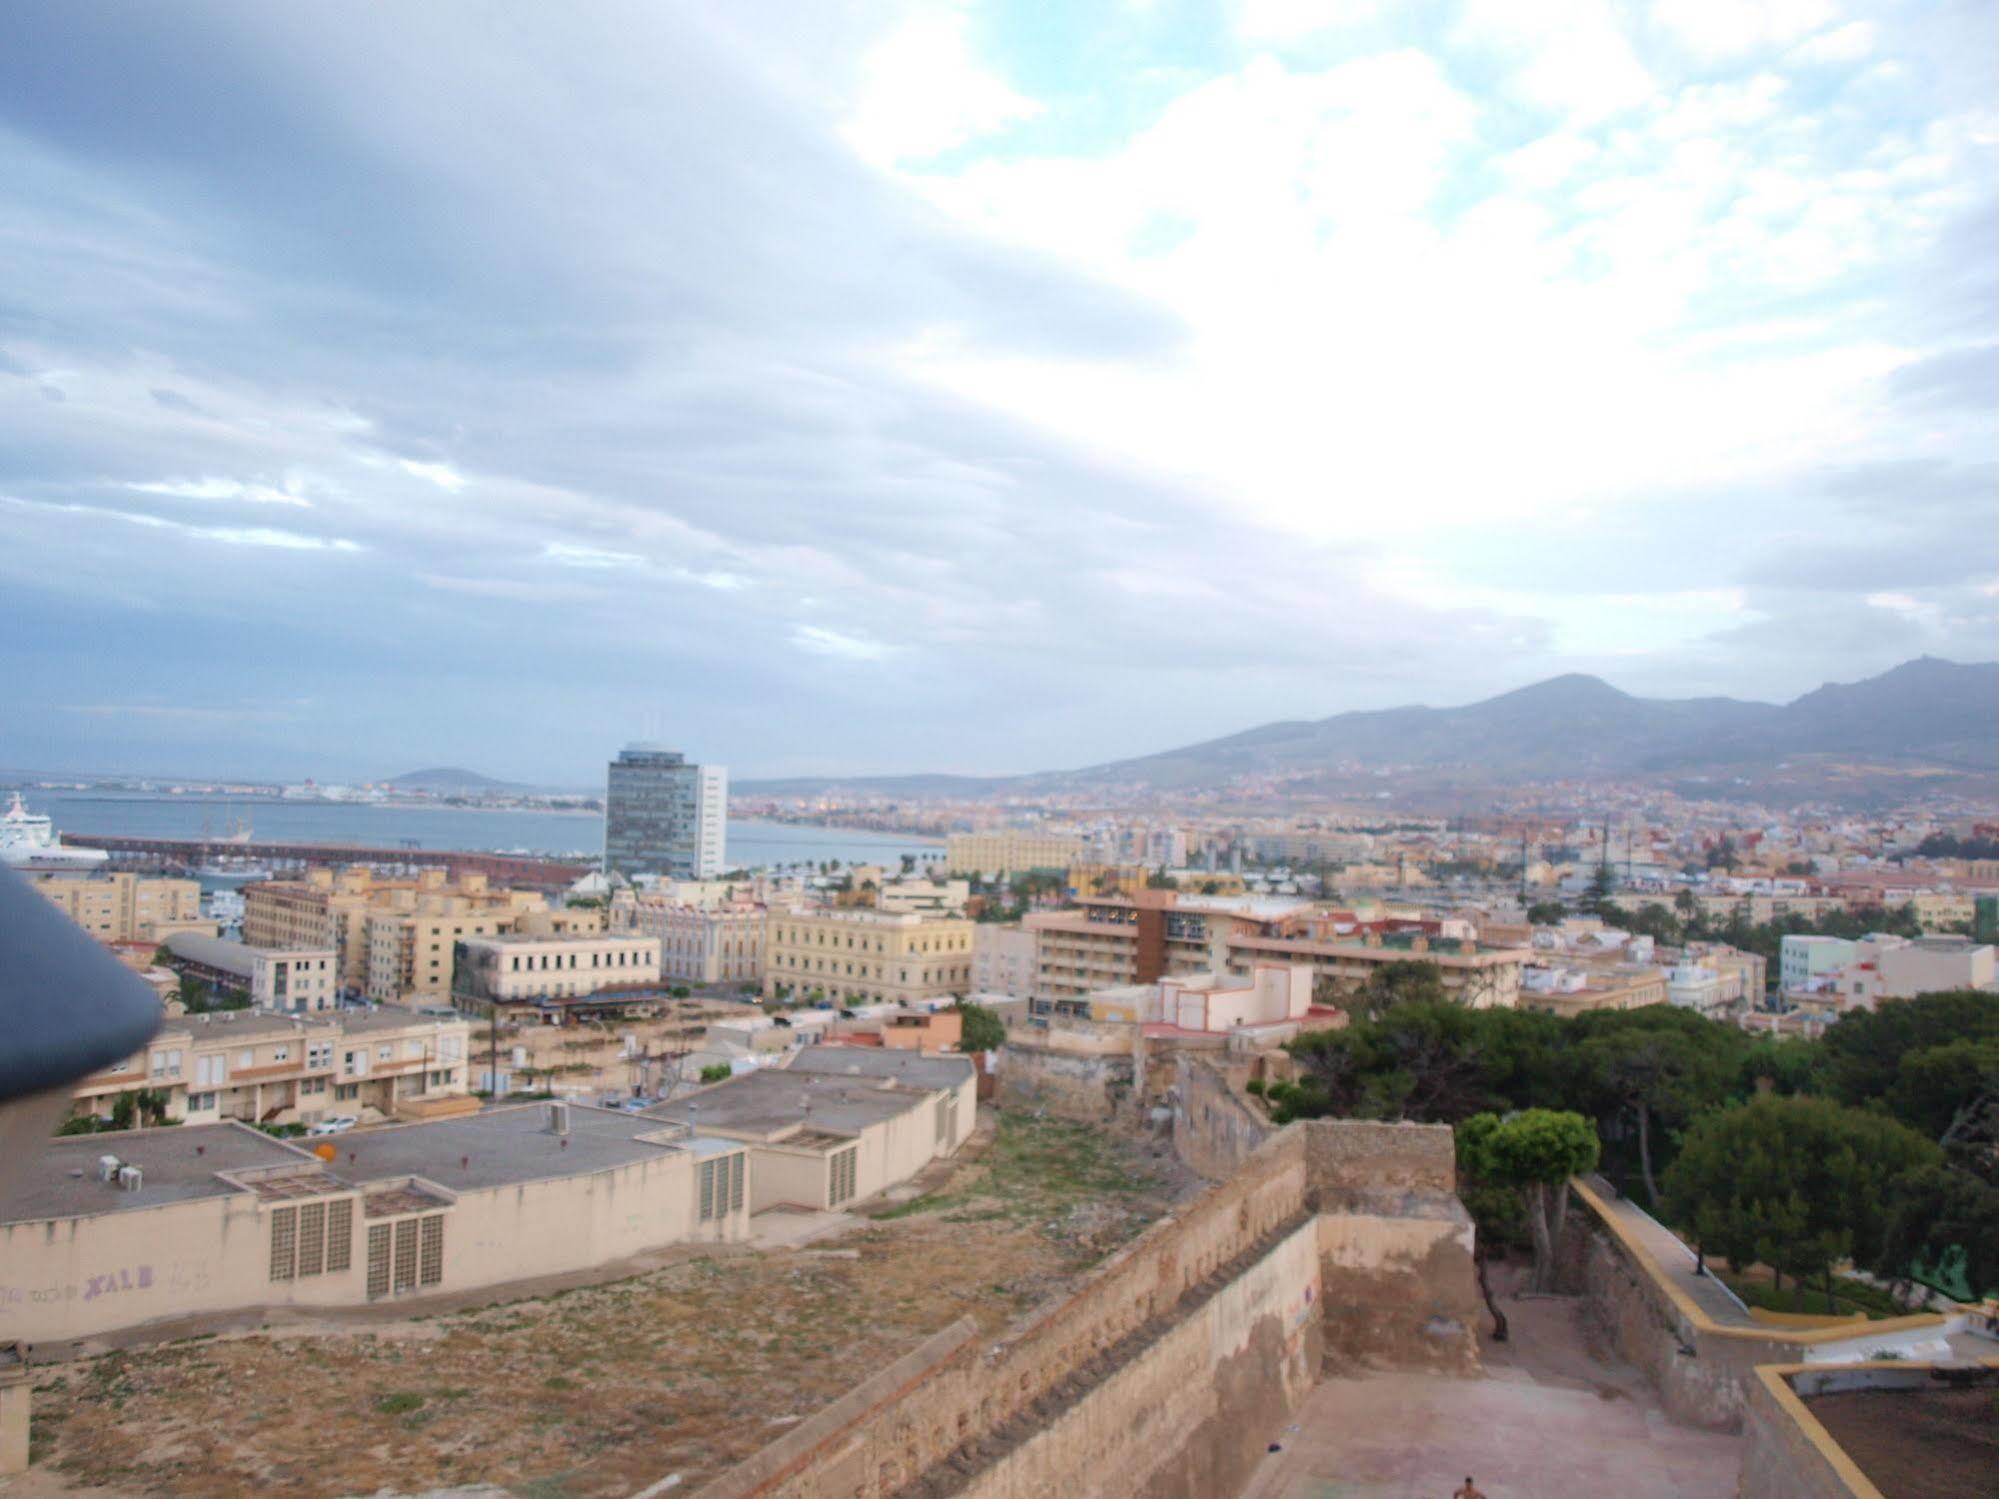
[[1924, 714]]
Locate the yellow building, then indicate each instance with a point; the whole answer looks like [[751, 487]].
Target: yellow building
[[394, 936], [850, 955], [124, 907], [1010, 850]]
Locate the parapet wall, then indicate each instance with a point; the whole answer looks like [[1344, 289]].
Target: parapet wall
[[1703, 1370], [1090, 1087], [965, 1391]]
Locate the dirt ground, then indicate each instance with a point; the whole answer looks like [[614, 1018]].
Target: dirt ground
[[610, 1389], [1918, 1444], [1549, 1417]]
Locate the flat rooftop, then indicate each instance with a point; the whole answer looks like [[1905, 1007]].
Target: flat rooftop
[[499, 1147], [180, 1165], [913, 1069], [772, 1099]]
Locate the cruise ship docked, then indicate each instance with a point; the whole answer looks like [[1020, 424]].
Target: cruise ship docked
[[28, 843]]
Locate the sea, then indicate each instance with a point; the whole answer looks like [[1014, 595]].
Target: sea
[[751, 844]]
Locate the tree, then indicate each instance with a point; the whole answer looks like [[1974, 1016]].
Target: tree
[[1684, 902], [1950, 1092], [1865, 1051], [1799, 1183], [1941, 1219], [1723, 854], [1602, 885], [982, 1029], [1546, 913], [1535, 1152], [1652, 1072]]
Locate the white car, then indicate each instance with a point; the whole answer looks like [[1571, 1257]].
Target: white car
[[338, 1124]]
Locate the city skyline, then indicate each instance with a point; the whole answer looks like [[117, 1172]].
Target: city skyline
[[888, 389]]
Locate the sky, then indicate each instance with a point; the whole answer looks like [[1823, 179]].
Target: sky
[[985, 387]]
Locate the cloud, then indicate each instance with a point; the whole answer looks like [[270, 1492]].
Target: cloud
[[923, 91], [821, 641], [1123, 381]]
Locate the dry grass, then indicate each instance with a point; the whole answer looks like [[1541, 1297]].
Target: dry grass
[[604, 1390]]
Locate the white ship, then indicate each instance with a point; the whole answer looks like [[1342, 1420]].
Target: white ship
[[28, 843]]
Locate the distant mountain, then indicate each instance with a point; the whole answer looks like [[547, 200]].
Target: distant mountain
[[1926, 713], [447, 779]]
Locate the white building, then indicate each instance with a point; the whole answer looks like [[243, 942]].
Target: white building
[[719, 944], [1003, 960], [1806, 962], [512, 968]]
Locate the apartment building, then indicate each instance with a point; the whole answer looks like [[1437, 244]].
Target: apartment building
[[923, 897], [299, 981], [291, 1069], [513, 967], [698, 944], [1893, 968], [334, 908], [1003, 957], [1107, 942], [1010, 851], [125, 907], [858, 956]]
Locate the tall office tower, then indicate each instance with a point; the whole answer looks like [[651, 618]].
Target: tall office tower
[[663, 815]]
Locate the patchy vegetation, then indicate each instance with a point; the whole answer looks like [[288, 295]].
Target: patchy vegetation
[[605, 1390]]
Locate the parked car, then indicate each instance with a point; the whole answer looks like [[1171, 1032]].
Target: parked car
[[337, 1124]]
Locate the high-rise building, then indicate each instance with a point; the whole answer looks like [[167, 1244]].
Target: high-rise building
[[663, 815]]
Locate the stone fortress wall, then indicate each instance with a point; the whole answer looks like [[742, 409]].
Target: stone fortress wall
[[1165, 1372]]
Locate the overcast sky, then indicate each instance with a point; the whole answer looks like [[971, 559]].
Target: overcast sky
[[838, 387]]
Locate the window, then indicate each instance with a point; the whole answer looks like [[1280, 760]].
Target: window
[[378, 1260], [430, 1257], [281, 1054], [841, 1172], [346, 1092], [246, 1058], [736, 1173], [284, 1243], [405, 1262], [339, 1234]]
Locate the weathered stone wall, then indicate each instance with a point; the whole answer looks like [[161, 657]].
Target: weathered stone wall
[[1214, 1128], [1699, 1377], [1787, 1455], [1149, 1431], [1093, 1089], [1401, 1290], [968, 1391], [1173, 1363], [1345, 1157]]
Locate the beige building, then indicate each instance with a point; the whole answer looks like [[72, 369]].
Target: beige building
[[1010, 851], [851, 955], [414, 920], [513, 967], [698, 943], [1893, 968], [213, 1219], [1003, 957], [291, 1069], [923, 897], [124, 907], [840, 1125], [1569, 991], [299, 981]]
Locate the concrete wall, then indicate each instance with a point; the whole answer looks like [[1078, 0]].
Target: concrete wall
[[782, 1176], [1788, 1454], [67, 1279], [1401, 1290]]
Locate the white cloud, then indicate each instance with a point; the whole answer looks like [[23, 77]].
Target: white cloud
[[224, 489], [571, 555], [259, 536], [1716, 30], [847, 647], [1844, 44], [1295, 20], [1570, 57], [443, 475], [923, 92]]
